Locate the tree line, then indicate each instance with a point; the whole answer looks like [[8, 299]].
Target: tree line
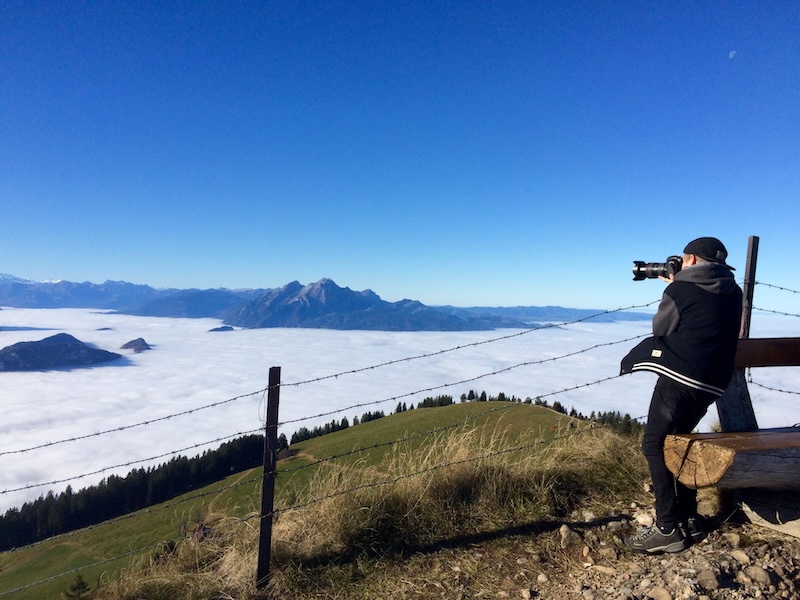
[[304, 433], [114, 496]]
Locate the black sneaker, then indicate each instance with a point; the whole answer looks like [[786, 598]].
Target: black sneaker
[[695, 529], [652, 541]]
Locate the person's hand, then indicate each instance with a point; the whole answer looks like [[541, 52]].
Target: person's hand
[[669, 279]]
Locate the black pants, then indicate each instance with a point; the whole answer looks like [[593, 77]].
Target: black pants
[[675, 408]]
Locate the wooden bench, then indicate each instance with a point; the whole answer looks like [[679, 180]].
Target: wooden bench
[[767, 458], [768, 352], [762, 465], [762, 458]]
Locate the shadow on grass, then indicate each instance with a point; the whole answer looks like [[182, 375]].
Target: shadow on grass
[[458, 542]]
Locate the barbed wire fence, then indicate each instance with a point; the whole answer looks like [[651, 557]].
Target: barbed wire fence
[[259, 479], [750, 379]]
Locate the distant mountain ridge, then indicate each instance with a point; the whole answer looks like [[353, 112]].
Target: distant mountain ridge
[[322, 305], [121, 296]]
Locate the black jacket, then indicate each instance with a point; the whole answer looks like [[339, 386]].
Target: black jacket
[[695, 330]]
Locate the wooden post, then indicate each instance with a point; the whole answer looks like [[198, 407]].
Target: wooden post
[[749, 285], [734, 407], [268, 481]]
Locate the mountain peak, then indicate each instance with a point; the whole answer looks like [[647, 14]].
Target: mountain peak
[[12, 278], [327, 292], [325, 305]]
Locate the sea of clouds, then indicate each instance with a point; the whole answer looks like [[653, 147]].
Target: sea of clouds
[[191, 368]]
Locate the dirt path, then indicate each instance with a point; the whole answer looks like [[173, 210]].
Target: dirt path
[[244, 475]]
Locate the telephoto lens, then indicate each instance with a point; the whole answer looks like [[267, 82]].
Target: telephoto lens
[[643, 270]]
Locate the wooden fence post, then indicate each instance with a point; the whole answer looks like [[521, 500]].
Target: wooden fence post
[[268, 480], [734, 407]]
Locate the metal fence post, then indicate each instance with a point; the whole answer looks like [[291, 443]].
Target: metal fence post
[[268, 481]]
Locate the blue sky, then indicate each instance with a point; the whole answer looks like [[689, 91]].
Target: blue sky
[[467, 153]]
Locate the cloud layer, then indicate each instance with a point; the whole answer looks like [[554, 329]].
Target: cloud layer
[[190, 368]]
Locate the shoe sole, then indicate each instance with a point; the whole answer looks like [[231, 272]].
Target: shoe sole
[[671, 548], [695, 535], [674, 547]]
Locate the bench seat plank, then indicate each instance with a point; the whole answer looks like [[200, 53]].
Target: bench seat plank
[[767, 458]]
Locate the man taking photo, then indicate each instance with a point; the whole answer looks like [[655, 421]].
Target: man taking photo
[[692, 349]]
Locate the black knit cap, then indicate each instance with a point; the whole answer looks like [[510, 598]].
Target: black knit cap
[[709, 248]]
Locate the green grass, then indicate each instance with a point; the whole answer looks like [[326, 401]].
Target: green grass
[[370, 444], [124, 536], [518, 422], [513, 424]]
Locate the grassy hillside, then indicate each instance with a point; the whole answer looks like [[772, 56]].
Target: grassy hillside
[[408, 431], [321, 502], [145, 529]]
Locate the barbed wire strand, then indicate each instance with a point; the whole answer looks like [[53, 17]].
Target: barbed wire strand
[[471, 345], [776, 312], [143, 511], [777, 287], [461, 382], [319, 415], [771, 389], [131, 463], [127, 427], [402, 440], [105, 561], [219, 490], [314, 380], [253, 480], [398, 478]]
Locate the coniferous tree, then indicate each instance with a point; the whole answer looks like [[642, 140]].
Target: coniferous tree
[[78, 589]]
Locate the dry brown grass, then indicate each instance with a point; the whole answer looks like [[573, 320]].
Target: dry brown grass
[[480, 490], [214, 565], [359, 537]]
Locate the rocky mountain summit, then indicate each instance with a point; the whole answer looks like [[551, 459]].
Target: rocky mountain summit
[[55, 352], [138, 345], [322, 304], [325, 305]]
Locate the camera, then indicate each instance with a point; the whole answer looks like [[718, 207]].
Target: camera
[[643, 270]]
